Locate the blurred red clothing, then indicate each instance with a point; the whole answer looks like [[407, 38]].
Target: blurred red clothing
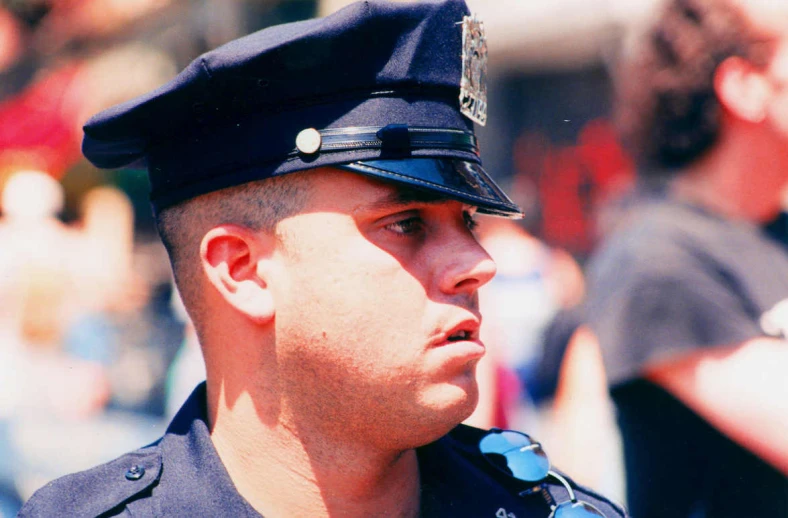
[[39, 128]]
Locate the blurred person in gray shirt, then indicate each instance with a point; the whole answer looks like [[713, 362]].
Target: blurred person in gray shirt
[[689, 299]]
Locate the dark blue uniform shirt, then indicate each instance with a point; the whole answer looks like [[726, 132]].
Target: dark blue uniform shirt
[[181, 475]]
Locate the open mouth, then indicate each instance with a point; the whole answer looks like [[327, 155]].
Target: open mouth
[[459, 336]]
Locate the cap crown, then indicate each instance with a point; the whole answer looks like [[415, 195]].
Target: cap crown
[[387, 70]]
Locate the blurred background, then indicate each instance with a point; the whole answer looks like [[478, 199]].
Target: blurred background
[[95, 351]]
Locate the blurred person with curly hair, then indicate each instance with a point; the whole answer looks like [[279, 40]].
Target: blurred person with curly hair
[[688, 299]]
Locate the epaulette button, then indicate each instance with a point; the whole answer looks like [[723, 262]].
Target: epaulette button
[[135, 472]]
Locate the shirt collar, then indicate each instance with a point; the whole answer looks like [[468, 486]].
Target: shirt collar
[[195, 482]]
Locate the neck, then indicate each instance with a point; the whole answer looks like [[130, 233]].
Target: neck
[[739, 178], [282, 470]]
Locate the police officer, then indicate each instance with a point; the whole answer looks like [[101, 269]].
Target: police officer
[[315, 185]]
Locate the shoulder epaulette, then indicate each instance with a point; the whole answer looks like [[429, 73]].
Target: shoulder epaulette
[[97, 491]]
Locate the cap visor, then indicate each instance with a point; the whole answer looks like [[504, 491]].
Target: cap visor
[[457, 179]]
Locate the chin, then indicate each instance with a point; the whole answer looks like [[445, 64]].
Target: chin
[[441, 409], [452, 403]]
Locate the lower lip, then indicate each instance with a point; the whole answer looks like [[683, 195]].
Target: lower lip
[[463, 348]]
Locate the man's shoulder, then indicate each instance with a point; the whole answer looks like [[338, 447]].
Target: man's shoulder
[[104, 490], [465, 440], [667, 235]]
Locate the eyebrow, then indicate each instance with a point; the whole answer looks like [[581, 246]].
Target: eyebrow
[[404, 196]]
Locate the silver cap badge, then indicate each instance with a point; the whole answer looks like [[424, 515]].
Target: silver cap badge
[[473, 84]]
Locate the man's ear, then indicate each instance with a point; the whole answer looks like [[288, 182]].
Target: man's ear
[[230, 256], [742, 89]]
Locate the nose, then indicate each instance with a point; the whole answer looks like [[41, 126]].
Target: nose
[[468, 267]]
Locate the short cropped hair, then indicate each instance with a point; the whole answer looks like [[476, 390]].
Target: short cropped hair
[[257, 205], [667, 111]]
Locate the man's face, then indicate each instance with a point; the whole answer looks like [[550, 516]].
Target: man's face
[[778, 79], [376, 311], [761, 194], [771, 19]]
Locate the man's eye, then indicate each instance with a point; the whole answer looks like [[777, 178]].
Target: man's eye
[[470, 221], [407, 226]]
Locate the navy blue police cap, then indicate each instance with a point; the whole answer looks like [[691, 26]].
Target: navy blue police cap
[[379, 88]]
